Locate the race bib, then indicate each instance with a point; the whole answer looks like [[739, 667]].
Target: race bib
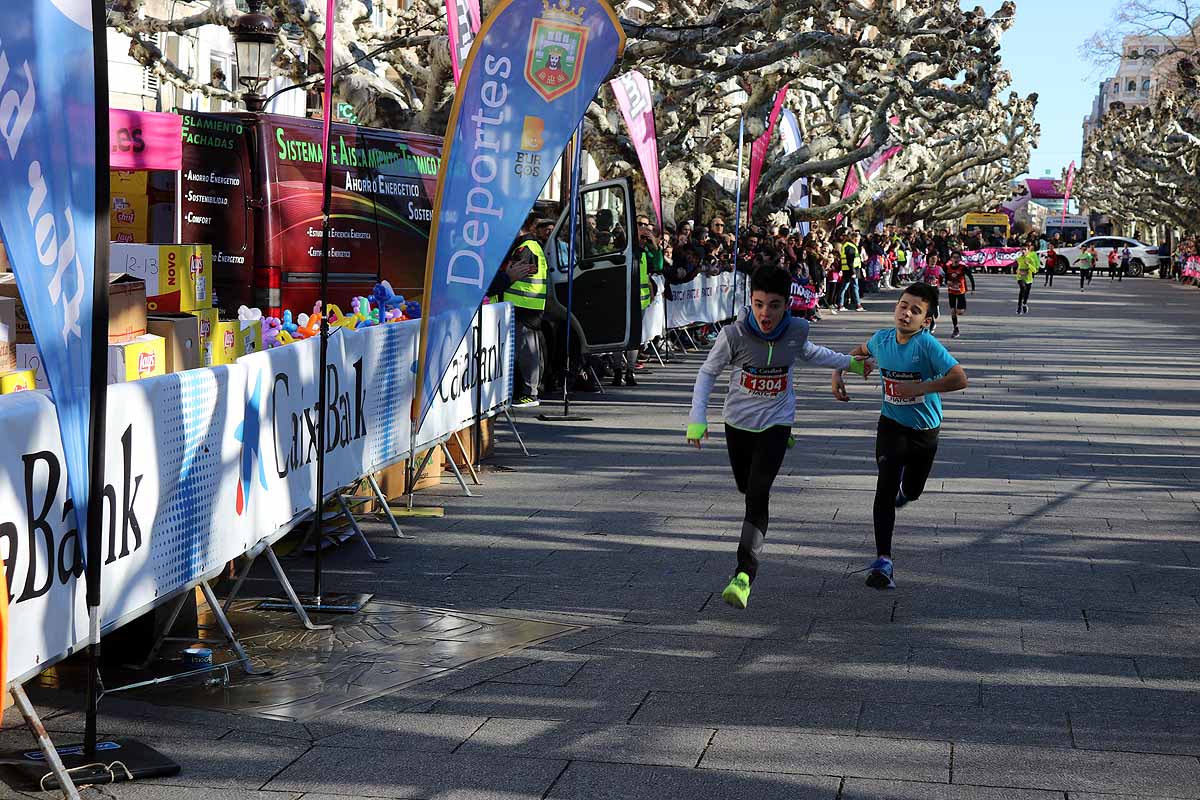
[[892, 379], [764, 381]]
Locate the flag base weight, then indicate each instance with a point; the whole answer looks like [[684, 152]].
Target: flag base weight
[[563, 418], [330, 603], [116, 760], [418, 511]]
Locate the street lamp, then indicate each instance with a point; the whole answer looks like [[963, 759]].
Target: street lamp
[[254, 37]]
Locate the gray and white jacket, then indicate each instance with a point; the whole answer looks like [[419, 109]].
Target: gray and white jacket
[[761, 394]]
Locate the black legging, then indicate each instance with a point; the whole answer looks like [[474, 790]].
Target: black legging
[[755, 459], [905, 457], [1049, 275], [1084, 273], [1023, 293]]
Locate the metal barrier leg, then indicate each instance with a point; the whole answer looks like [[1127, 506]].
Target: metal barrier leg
[[251, 556], [43, 739], [292, 597], [421, 471], [387, 508], [512, 423], [214, 606], [596, 378], [165, 633], [657, 355], [470, 466], [359, 533], [454, 468]]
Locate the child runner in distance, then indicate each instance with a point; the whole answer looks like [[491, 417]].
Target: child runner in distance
[[1027, 266], [1086, 260], [957, 274], [1051, 265], [760, 405], [915, 369]]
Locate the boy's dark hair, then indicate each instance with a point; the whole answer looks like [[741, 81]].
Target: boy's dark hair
[[925, 293], [772, 280]]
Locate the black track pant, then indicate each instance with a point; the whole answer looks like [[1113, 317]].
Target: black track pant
[[756, 459], [905, 457], [1023, 293]]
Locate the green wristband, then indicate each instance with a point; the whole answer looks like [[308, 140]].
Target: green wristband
[[858, 365], [696, 430]]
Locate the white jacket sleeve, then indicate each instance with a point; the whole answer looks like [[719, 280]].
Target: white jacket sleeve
[[718, 358], [819, 356]]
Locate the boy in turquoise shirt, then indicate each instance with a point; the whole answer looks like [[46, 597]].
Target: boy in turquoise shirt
[[915, 369]]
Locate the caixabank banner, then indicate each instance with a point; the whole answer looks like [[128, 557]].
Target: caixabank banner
[[168, 507], [201, 466]]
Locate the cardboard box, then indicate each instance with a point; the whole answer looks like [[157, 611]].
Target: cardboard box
[[8, 334], [208, 319], [181, 332], [251, 337], [144, 357], [128, 181], [29, 358], [129, 234], [18, 381], [225, 343], [178, 277], [129, 210], [126, 309]]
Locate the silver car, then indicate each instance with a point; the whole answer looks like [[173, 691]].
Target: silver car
[[1143, 257]]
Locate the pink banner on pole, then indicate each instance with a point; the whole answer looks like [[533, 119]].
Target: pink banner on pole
[[144, 140], [870, 167], [758, 150], [1067, 194], [635, 100], [462, 23]]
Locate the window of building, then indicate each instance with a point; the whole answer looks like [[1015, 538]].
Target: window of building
[[1116, 87], [1133, 53], [1150, 52], [1131, 86], [1146, 85]]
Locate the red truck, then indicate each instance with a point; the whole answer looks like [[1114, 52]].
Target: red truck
[[251, 187]]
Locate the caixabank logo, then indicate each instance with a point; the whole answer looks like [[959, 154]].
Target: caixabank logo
[[248, 433]]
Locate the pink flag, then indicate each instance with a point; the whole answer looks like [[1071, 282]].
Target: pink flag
[[758, 150], [1067, 193], [144, 140], [870, 167], [632, 91], [462, 23]]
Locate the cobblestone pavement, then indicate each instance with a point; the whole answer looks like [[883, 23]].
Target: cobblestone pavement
[[1042, 642]]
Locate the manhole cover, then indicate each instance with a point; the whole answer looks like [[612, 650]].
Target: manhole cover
[[363, 656]]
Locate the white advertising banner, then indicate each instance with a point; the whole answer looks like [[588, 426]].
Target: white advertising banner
[[490, 368], [654, 316], [204, 464], [702, 301], [168, 506]]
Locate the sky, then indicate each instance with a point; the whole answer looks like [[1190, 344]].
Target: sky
[[1041, 51]]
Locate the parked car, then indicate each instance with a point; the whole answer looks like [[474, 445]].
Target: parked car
[[1144, 257]]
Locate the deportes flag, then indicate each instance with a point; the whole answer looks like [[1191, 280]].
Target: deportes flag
[[462, 23]]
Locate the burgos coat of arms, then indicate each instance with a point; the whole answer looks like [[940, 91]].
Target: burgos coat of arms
[[557, 41]]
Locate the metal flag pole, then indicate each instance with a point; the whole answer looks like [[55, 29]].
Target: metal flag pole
[[737, 214], [576, 160], [99, 382]]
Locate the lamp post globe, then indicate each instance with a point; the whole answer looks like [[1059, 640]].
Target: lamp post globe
[[254, 39]]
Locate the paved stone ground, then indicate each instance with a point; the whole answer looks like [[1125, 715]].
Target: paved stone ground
[[1042, 643]]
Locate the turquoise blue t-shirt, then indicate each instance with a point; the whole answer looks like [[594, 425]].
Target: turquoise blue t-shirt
[[922, 358]]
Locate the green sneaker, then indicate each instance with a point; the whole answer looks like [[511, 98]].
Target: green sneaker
[[737, 593]]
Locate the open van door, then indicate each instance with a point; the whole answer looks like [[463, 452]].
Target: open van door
[[605, 284]]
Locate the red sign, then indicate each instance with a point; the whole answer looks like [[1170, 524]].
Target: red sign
[[144, 140]]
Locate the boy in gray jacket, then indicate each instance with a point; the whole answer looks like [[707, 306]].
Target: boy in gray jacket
[[760, 406]]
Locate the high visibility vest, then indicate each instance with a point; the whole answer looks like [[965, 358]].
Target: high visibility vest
[[644, 277], [530, 292], [850, 257], [900, 254]]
